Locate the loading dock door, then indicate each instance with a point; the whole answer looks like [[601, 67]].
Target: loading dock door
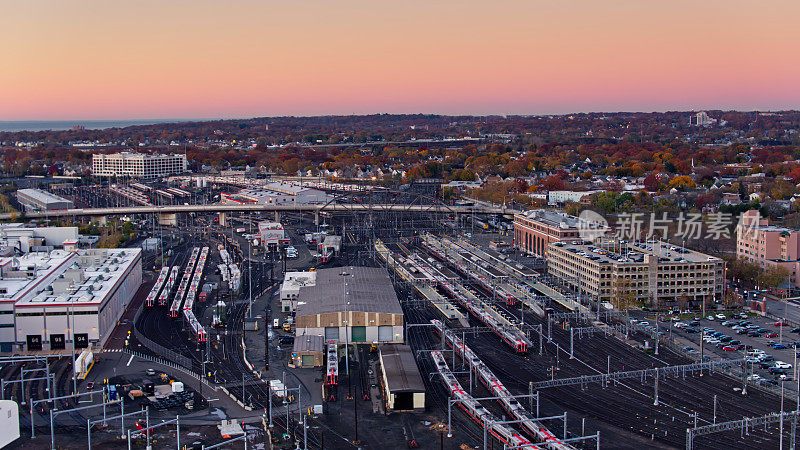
[[57, 342], [331, 334], [81, 340], [34, 342], [385, 333], [359, 334], [404, 401]]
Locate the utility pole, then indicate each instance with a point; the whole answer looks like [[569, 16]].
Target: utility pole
[[250, 278]]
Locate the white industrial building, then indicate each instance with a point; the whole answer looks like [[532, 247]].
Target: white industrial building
[[138, 165], [26, 239], [39, 200], [290, 289], [49, 299], [276, 194]]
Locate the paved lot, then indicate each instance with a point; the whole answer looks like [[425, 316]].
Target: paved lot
[[693, 340]]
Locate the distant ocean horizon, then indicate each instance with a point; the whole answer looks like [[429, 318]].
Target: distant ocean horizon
[[58, 125]]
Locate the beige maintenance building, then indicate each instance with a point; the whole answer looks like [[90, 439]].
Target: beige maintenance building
[[639, 271], [350, 305]]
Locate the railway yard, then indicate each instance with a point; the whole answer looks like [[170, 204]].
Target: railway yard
[[508, 357]]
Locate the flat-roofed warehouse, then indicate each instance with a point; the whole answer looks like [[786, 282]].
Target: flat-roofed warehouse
[[402, 382], [39, 200], [351, 304]]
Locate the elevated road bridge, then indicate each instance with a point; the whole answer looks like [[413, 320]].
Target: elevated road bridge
[[218, 208]]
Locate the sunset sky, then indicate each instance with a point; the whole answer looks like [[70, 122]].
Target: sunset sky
[[208, 59]]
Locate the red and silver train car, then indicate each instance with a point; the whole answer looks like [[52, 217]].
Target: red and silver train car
[[332, 368], [508, 436], [533, 428], [153, 295], [175, 308], [163, 298]]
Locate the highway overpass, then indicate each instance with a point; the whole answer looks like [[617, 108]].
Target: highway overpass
[[330, 208]]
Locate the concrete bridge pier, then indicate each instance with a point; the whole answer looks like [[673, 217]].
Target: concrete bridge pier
[[316, 218], [100, 220], [168, 219], [277, 216], [223, 218]]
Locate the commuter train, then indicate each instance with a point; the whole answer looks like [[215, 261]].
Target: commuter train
[[506, 330], [151, 297], [533, 428], [191, 296], [173, 278], [332, 369], [508, 436], [184, 285]]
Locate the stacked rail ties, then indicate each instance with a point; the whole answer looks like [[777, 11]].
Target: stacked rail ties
[[162, 277], [508, 436], [532, 428], [422, 277], [170, 283], [187, 276], [191, 296]]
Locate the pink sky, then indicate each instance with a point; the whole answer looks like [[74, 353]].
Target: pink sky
[[198, 59]]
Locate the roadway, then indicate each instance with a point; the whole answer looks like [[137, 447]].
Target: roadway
[[331, 207]]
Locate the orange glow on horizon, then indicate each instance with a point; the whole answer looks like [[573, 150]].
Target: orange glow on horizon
[[198, 59]]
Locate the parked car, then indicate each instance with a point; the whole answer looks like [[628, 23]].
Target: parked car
[[771, 334], [710, 317], [782, 365], [780, 324], [721, 316], [795, 330], [729, 348]]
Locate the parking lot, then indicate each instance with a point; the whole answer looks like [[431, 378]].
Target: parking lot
[[759, 339]]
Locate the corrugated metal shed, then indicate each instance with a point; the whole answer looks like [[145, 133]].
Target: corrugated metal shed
[[400, 369], [363, 289]]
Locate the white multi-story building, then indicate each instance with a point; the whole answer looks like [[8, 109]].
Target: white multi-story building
[[138, 165], [50, 300], [639, 271], [561, 197]]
